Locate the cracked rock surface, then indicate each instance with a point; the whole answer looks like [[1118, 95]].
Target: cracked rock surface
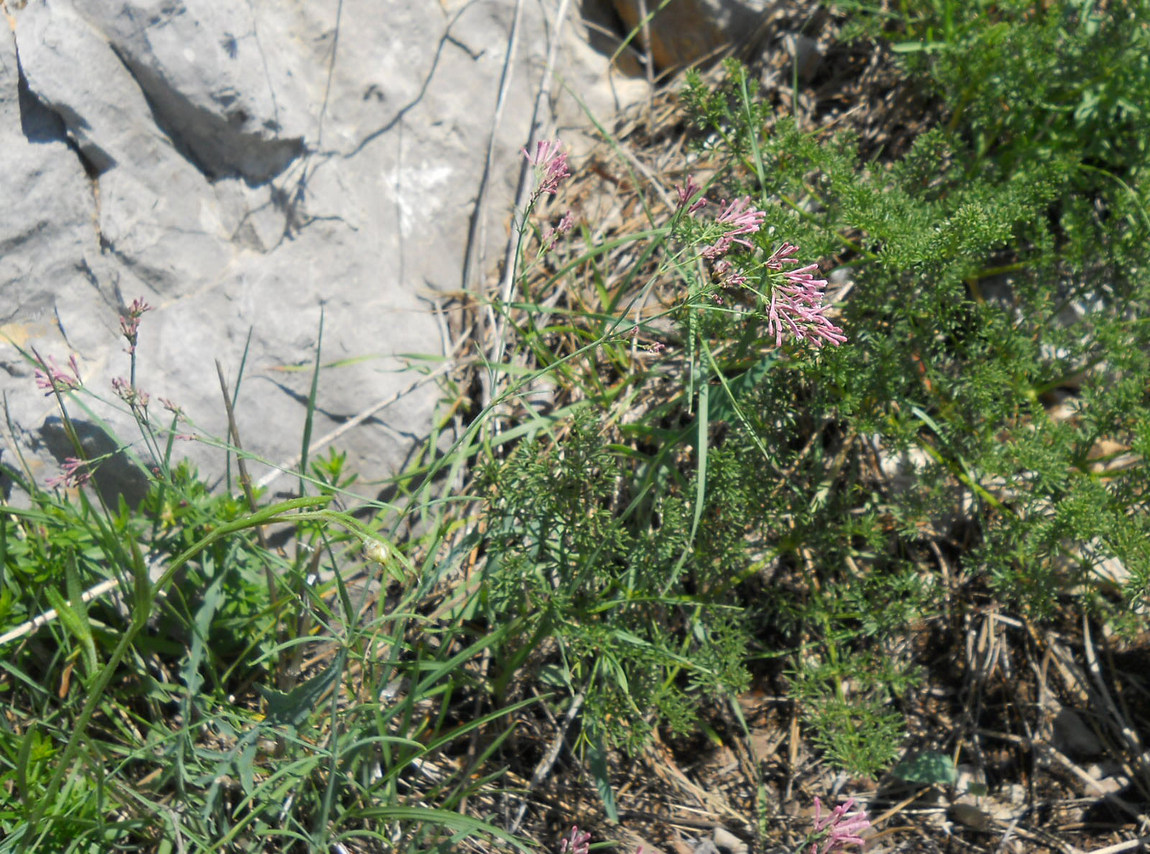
[[243, 166], [239, 166]]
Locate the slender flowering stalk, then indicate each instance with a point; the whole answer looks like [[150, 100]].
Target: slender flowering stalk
[[577, 842], [839, 829], [54, 379], [550, 166], [797, 307]]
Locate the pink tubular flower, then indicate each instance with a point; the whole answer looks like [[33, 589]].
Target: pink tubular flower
[[739, 213], [839, 829], [550, 165], [797, 306], [550, 235], [734, 279], [130, 394], [54, 379], [74, 472], [782, 255], [745, 219], [688, 192], [730, 276], [576, 842]]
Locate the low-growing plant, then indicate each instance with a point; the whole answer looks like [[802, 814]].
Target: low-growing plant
[[614, 545], [173, 678], [975, 301]]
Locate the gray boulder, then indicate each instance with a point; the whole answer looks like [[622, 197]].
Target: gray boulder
[[241, 167]]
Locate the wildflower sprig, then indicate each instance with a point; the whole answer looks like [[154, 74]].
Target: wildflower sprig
[[550, 162], [792, 301], [74, 472], [56, 380], [136, 398], [130, 323], [553, 233], [551, 170], [839, 829], [738, 219], [130, 329]]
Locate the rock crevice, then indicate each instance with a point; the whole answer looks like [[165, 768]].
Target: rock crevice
[[218, 145]]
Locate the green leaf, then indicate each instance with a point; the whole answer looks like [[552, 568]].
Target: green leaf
[[246, 765], [22, 764], [597, 762], [927, 768], [213, 597], [293, 708], [75, 620]]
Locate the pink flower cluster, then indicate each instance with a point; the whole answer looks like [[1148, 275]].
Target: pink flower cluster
[[797, 304], [839, 829], [743, 219], [550, 166], [550, 235], [688, 192], [130, 323], [577, 842], [131, 395], [54, 379], [74, 472]]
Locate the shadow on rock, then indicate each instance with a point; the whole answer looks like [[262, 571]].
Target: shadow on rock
[[115, 476]]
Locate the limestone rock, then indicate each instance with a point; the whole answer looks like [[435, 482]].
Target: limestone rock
[[241, 167]]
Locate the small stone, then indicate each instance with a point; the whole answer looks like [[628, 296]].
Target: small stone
[[1074, 737], [805, 54], [969, 815]]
